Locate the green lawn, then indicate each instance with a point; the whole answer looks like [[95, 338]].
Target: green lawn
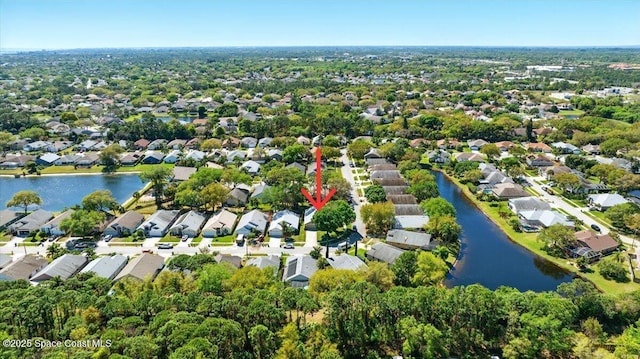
[[196, 240], [571, 113], [170, 239], [225, 239], [529, 241], [94, 169]]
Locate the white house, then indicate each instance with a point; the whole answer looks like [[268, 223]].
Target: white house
[[158, 224], [298, 270], [173, 156], [252, 221], [279, 219], [605, 201], [53, 226], [188, 224], [221, 224]]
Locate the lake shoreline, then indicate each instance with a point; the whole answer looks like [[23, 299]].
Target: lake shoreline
[[70, 174]]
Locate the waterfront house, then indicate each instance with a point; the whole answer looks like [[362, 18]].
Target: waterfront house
[[145, 266], [439, 156], [67, 160], [188, 224], [7, 217], [64, 267], [53, 226], [106, 267], [383, 252], [125, 224], [283, 218], [47, 159], [468, 156], [130, 159], [220, 224], [181, 173], [601, 244], [158, 224], [518, 205], [23, 268], [32, 222], [153, 157], [410, 240], [346, 261], [509, 190], [604, 201], [88, 160], [253, 221], [298, 270], [543, 218]]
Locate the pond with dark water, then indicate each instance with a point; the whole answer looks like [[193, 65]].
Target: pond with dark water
[[488, 257]]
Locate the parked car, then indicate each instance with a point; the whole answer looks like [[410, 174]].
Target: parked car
[[184, 238], [165, 246], [595, 227], [107, 238], [288, 246]]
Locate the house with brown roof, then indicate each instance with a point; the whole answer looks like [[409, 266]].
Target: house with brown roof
[[537, 147], [602, 244], [231, 143], [539, 161], [468, 156], [509, 190], [504, 146], [448, 144], [141, 144]]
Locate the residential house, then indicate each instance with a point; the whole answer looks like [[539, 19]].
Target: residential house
[[38, 146], [153, 158], [265, 142], [61, 145], [262, 262], [475, 145], [281, 219], [604, 201], [64, 267], [5, 260], [518, 205], [231, 143], [308, 219], [468, 156], [145, 266], [410, 240], [410, 221], [251, 167], [235, 261], [237, 198], [550, 171], [504, 146], [544, 218], [539, 161], [591, 149], [125, 224], [258, 190], [15, 161], [53, 226], [345, 261], [537, 147], [602, 244], [47, 159], [298, 270], [141, 144], [130, 159], [67, 160], [303, 141], [439, 156], [31, 222], [253, 221], [158, 144], [23, 268], [88, 160], [509, 190], [446, 144], [235, 155], [195, 155], [566, 148], [176, 144], [86, 145], [181, 173], [173, 156], [373, 153], [188, 224], [383, 252], [220, 224], [249, 142], [158, 224], [317, 140], [275, 154], [7, 217], [297, 166]]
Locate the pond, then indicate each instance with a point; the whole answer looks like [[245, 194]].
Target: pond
[[488, 257], [58, 192]]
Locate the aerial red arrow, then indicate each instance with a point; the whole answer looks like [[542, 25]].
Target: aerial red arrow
[[318, 202]]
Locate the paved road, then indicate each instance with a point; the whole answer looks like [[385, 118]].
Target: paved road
[[347, 173]]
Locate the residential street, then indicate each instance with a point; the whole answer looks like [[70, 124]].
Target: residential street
[[347, 173]]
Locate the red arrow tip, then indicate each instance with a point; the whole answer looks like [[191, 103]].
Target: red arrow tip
[[318, 202]]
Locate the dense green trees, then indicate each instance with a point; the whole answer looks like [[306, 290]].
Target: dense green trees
[[159, 176], [375, 194], [334, 215]]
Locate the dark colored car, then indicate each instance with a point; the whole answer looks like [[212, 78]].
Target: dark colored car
[[595, 227]]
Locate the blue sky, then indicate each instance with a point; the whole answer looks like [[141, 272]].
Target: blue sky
[[54, 24]]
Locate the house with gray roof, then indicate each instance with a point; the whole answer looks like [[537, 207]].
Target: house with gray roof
[[158, 224], [475, 145], [53, 226], [88, 160], [236, 198], [249, 142], [220, 224], [604, 201], [142, 267], [67, 160], [262, 262], [181, 173], [173, 156], [5, 260], [410, 221], [47, 159], [544, 218], [125, 224], [383, 252], [258, 190], [7, 217], [410, 240], [252, 221], [32, 222], [153, 157], [283, 218], [298, 270], [106, 267], [23, 268], [518, 205], [308, 219], [188, 224], [230, 259], [64, 267], [252, 167], [346, 261]]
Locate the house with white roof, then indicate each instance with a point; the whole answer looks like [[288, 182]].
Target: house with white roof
[[106, 267], [188, 224], [604, 201], [173, 156], [278, 221], [64, 267], [345, 261], [253, 221], [220, 224], [158, 224], [544, 218]]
